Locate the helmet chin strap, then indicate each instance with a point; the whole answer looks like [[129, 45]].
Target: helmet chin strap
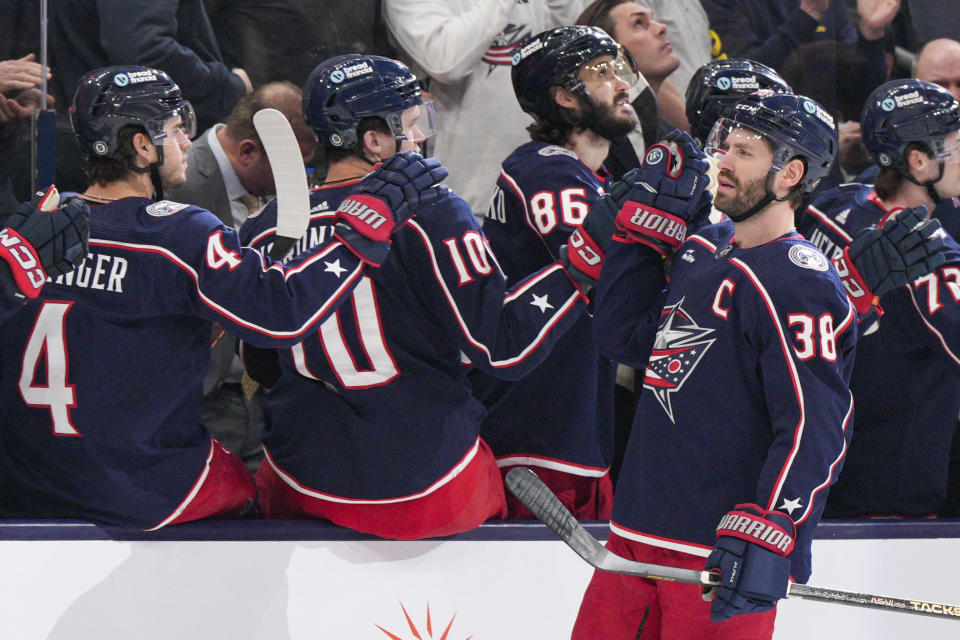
[[928, 185], [154, 170], [767, 198]]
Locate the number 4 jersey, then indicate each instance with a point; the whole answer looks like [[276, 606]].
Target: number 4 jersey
[[101, 375], [375, 407]]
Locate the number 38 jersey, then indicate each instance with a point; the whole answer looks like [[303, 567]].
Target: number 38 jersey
[[375, 404], [907, 377], [101, 375], [747, 357], [560, 416]]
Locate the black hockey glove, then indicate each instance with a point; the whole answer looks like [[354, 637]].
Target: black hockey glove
[[42, 240], [668, 193], [584, 252], [879, 260], [385, 200], [751, 557]]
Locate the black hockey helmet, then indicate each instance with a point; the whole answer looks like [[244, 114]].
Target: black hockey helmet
[[717, 86], [904, 111], [342, 91], [110, 98], [554, 58]]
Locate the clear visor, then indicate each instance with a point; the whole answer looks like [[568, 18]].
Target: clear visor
[[739, 139], [620, 68], [418, 122], [179, 125]]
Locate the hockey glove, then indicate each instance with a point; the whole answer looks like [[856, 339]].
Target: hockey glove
[[583, 255], [879, 260], [41, 240], [751, 557], [385, 200], [668, 193]]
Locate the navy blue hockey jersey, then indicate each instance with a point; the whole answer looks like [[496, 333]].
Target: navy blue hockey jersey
[[747, 356], [375, 404], [101, 376], [561, 414], [907, 378]]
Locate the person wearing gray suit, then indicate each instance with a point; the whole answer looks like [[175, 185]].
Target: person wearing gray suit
[[229, 174]]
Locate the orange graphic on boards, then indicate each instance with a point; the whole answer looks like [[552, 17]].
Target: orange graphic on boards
[[416, 634]]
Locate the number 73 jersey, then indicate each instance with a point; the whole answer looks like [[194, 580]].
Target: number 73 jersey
[[375, 404]]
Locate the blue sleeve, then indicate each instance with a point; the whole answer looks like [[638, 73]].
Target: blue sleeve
[[936, 298], [504, 332], [265, 303], [805, 341], [627, 303]]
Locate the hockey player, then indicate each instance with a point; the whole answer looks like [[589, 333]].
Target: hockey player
[[40, 239], [102, 371], [371, 424], [558, 419], [897, 463], [745, 413]]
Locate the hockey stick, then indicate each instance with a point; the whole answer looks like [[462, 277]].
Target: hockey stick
[[289, 176], [535, 496]]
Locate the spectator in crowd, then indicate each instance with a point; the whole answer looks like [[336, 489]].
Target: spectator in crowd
[[939, 62], [115, 437], [558, 419], [768, 31], [689, 28], [371, 424], [912, 128], [633, 26], [171, 35], [19, 96], [312, 32], [228, 174], [712, 335], [466, 47], [930, 20]]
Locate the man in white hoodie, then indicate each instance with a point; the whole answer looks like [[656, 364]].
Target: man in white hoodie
[[467, 47]]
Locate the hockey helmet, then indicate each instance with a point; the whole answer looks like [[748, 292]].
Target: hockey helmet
[[904, 111], [794, 125], [554, 58], [342, 91], [717, 86], [110, 98]]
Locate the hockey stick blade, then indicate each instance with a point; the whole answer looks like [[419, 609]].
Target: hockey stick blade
[[530, 490], [535, 496], [289, 176]]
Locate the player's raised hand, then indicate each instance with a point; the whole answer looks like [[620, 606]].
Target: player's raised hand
[[385, 200], [667, 193], [881, 259], [44, 238], [750, 556]]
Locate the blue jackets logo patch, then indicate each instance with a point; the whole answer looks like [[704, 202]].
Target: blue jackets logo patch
[[680, 345]]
